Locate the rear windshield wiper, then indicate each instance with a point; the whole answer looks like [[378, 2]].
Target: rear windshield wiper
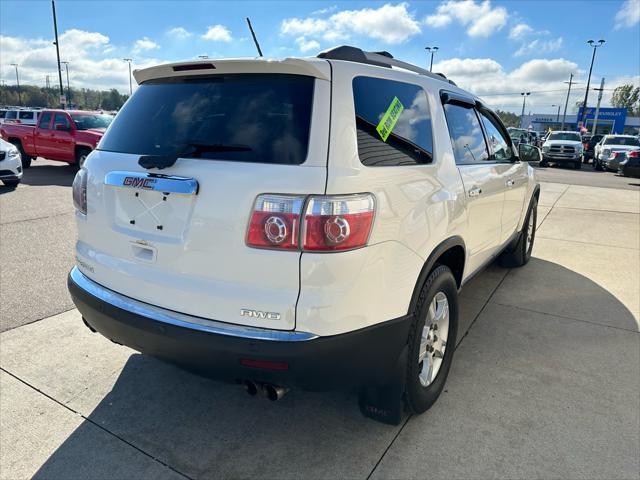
[[189, 149]]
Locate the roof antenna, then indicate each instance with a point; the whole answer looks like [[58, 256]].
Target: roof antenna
[[255, 40]]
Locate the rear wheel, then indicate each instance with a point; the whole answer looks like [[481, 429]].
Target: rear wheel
[[432, 340], [521, 253], [81, 157], [26, 159]]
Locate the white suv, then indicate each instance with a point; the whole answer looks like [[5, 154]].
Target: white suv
[[299, 222]]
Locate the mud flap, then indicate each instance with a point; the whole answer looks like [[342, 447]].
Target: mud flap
[[385, 404]]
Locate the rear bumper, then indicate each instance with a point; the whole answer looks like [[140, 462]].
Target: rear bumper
[[368, 357]]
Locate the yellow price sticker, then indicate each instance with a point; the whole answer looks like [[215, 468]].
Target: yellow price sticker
[[390, 118]]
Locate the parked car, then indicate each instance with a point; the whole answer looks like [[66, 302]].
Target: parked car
[[630, 165], [10, 164], [611, 143], [23, 116], [304, 222], [588, 144], [561, 148], [63, 135]]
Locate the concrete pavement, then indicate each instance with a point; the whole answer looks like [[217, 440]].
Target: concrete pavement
[[545, 383]]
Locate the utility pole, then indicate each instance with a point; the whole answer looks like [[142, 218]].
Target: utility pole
[[594, 45], [18, 83], [524, 101], [595, 119], [55, 30], [564, 115], [129, 60], [432, 50], [66, 64], [558, 115]]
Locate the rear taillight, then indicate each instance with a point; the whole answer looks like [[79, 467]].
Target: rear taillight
[[334, 223], [330, 223], [275, 222], [79, 190], [634, 154]]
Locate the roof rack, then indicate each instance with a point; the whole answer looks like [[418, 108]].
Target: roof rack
[[380, 59]]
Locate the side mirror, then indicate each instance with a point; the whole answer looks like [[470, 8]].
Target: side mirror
[[529, 153], [61, 126]]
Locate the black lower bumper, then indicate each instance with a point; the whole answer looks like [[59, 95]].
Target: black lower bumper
[[560, 160], [368, 357]]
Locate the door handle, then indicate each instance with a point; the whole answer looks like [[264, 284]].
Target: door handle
[[474, 192], [510, 183]]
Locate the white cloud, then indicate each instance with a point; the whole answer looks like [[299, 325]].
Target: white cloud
[[481, 19], [144, 44], [519, 31], [180, 33], [628, 15], [391, 24], [92, 61], [218, 33], [538, 46], [306, 45]]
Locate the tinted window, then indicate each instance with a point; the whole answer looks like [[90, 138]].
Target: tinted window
[[85, 122], [569, 136], [26, 115], [252, 118], [11, 114], [409, 141], [466, 134], [3, 113], [61, 119], [45, 119], [501, 149], [630, 141]]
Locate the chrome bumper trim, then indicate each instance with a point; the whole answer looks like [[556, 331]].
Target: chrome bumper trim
[[180, 319], [150, 181]]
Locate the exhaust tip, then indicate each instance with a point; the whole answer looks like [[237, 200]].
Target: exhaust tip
[[251, 388], [275, 393]]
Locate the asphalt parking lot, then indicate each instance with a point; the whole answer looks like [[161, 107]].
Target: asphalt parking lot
[[545, 382]]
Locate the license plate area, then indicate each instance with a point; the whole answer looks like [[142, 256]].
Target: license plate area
[[158, 207]]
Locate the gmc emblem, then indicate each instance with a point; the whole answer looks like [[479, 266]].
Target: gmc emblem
[[137, 182]]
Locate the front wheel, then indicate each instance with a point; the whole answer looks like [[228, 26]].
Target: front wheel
[[432, 340], [597, 165], [578, 165], [521, 253]]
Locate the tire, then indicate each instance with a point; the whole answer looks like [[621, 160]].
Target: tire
[[26, 159], [597, 165], [577, 165], [11, 183], [81, 156], [521, 253], [422, 389], [543, 163]]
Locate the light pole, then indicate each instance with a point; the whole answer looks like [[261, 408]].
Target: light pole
[[594, 45], [129, 60], [557, 116], [66, 64], [564, 115], [18, 83], [524, 101], [432, 50], [55, 31]]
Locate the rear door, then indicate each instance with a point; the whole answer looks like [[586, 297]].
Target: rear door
[[483, 182], [175, 237], [43, 136]]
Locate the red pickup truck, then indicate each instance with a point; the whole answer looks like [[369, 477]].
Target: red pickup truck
[[63, 135]]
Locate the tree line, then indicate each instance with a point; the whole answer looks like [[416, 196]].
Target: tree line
[[80, 98]]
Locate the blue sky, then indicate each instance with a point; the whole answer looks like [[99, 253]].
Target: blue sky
[[489, 47]]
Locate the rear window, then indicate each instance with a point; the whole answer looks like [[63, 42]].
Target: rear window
[[393, 122], [11, 114], [26, 115], [629, 141], [249, 118]]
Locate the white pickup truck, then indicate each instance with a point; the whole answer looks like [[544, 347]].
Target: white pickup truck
[[562, 147], [299, 222]]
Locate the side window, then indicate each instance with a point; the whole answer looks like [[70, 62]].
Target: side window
[[11, 115], [393, 123], [45, 119], [26, 115], [61, 118], [466, 134], [501, 150]]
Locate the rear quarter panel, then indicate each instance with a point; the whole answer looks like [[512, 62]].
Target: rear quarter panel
[[24, 133]]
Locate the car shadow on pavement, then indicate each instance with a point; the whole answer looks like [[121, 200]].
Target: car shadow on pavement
[[205, 429], [45, 175]]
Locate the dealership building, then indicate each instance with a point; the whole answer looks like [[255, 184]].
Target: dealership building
[[610, 120]]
